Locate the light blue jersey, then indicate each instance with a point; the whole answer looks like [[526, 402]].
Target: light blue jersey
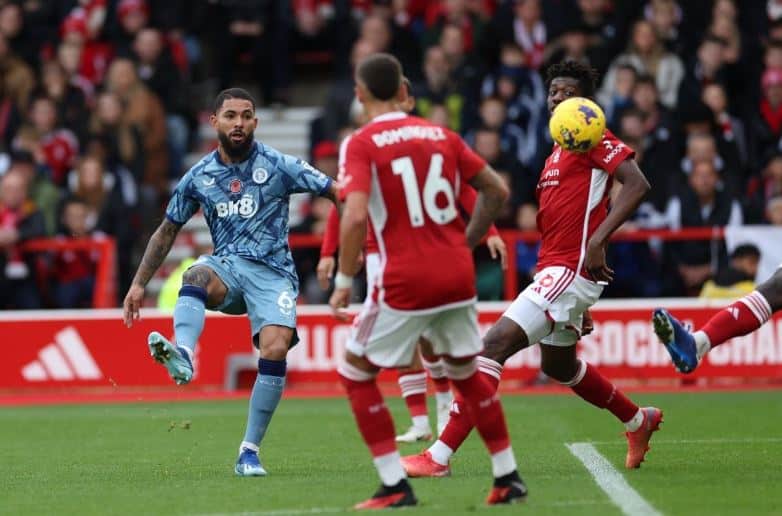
[[246, 204]]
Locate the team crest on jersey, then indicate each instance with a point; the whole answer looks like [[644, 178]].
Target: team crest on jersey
[[235, 186], [260, 175]]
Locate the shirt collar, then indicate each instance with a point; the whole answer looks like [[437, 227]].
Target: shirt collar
[[393, 115]]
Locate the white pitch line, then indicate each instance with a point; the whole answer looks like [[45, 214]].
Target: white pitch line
[[282, 512], [611, 481]]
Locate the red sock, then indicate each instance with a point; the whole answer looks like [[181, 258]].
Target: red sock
[[597, 390], [372, 416], [413, 387], [441, 385], [459, 425], [744, 316], [484, 410]]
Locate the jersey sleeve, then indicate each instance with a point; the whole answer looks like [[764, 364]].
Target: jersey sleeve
[[183, 204], [355, 167], [610, 153], [468, 162], [303, 177], [467, 199], [330, 242]]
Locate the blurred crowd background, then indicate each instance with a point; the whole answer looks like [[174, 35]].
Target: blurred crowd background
[[104, 105]]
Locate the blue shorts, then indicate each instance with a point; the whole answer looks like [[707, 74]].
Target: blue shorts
[[264, 294]]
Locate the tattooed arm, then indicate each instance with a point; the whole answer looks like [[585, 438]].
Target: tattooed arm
[[157, 249]]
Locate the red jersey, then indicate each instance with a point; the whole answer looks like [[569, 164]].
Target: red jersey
[[413, 172], [573, 194]]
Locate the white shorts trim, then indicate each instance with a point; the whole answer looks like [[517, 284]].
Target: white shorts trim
[[550, 310], [387, 338]]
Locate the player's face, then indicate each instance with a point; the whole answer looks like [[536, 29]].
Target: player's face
[[235, 124], [562, 88]]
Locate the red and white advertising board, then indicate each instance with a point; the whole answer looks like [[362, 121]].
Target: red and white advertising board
[[92, 348]]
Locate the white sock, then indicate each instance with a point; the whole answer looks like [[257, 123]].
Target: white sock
[[249, 446], [503, 463], [636, 421], [389, 467], [443, 398], [421, 422], [441, 452], [702, 344]]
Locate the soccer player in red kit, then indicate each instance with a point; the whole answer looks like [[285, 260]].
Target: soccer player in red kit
[[402, 174], [744, 316], [575, 226]]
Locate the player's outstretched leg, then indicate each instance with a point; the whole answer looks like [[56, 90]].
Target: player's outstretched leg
[[587, 382], [740, 318], [412, 383], [434, 461], [484, 409], [376, 427], [267, 391]]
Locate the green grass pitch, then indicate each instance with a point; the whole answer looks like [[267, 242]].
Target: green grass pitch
[[717, 453]]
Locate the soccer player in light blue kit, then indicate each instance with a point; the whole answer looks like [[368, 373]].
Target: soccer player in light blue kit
[[243, 189]]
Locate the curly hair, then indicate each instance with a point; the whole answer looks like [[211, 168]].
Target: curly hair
[[584, 74]]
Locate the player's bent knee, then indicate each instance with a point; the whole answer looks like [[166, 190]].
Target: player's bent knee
[[198, 276], [356, 368], [503, 340], [460, 368]]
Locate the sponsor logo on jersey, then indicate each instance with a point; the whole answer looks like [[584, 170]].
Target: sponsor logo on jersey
[[615, 150], [65, 359], [260, 175], [244, 207], [209, 181], [235, 186]]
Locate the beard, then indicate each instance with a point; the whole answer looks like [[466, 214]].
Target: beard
[[235, 151]]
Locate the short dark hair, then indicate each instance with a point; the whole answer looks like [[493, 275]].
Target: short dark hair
[[381, 74], [646, 78], [713, 38], [584, 74], [746, 251], [231, 93]]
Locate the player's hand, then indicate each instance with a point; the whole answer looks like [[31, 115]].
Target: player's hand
[[132, 304], [325, 271], [497, 249], [587, 324], [595, 262], [339, 301]]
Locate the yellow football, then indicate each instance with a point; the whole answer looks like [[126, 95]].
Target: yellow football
[[577, 124]]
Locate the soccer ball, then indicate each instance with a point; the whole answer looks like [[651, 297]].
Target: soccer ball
[[577, 124]]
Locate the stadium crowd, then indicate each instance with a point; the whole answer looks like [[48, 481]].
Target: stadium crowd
[[98, 111]]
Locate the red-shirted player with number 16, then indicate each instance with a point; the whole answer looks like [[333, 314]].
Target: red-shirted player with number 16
[[575, 226], [404, 174]]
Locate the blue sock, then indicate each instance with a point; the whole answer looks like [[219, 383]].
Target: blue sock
[[267, 392], [189, 316]]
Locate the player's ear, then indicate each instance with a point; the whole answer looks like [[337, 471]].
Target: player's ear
[[213, 120]]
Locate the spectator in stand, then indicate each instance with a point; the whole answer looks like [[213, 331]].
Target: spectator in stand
[[523, 27], [766, 125], [647, 55], [724, 25], [95, 54], [774, 211], [108, 213], [14, 31], [69, 57], [621, 94], [71, 103], [10, 114], [259, 33], [53, 146], [466, 71], [437, 88], [708, 67], [736, 279], [571, 45], [122, 140], [20, 220], [701, 204], [729, 127], [18, 79], [132, 16], [74, 270], [455, 13], [522, 91], [666, 17], [438, 115], [144, 112], [41, 190], [155, 67], [405, 44], [765, 188], [494, 116]]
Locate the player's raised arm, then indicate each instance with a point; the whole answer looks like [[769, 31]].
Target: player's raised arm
[[157, 249], [492, 194], [634, 188]]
